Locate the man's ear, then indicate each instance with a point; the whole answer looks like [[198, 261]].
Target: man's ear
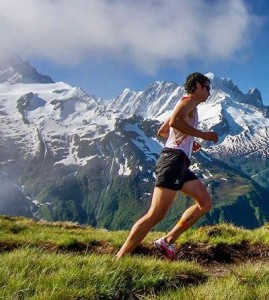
[[198, 85]]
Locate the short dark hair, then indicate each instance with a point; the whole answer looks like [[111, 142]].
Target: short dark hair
[[192, 80]]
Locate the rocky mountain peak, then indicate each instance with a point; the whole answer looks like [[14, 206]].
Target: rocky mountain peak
[[254, 96], [226, 85], [14, 70]]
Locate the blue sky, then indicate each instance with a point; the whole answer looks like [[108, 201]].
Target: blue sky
[[105, 46]]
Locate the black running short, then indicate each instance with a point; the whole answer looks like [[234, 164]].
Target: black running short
[[172, 169]]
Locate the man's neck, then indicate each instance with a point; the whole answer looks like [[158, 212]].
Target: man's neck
[[195, 99]]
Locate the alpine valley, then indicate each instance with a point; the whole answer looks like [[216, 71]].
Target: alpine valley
[[66, 155]]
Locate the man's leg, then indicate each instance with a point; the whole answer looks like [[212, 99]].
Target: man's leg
[[161, 201], [198, 192]]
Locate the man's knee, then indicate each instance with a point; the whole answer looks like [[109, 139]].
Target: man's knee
[[156, 217], [206, 205]]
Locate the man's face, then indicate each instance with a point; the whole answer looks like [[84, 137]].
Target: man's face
[[205, 90]]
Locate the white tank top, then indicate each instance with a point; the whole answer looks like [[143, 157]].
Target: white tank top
[[181, 141]]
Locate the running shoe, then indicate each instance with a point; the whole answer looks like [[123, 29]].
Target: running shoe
[[167, 250]]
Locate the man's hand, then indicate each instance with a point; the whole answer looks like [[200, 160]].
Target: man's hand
[[196, 147], [210, 136]]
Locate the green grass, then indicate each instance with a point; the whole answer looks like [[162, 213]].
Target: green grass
[[226, 234], [29, 232], [35, 274], [61, 260], [247, 282]]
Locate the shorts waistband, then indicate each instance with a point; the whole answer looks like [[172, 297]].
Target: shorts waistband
[[179, 151]]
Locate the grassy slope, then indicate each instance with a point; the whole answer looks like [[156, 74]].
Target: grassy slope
[[41, 260]]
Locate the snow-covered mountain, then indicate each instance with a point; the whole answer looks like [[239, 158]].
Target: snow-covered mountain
[[57, 115], [159, 98], [54, 116], [240, 119], [73, 156], [14, 70]]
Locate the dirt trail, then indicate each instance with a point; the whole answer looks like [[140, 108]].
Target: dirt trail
[[216, 259]]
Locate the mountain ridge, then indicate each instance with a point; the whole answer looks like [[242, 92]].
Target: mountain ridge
[[76, 157], [13, 70]]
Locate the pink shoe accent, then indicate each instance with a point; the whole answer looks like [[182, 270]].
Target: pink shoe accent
[[167, 250]]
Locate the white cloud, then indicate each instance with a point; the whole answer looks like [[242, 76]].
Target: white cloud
[[148, 32]]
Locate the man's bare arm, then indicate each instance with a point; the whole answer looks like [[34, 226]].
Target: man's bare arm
[[178, 121], [164, 129]]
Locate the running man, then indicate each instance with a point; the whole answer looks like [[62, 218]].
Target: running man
[[173, 173]]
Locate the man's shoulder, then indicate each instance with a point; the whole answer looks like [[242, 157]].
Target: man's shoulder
[[189, 100]]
